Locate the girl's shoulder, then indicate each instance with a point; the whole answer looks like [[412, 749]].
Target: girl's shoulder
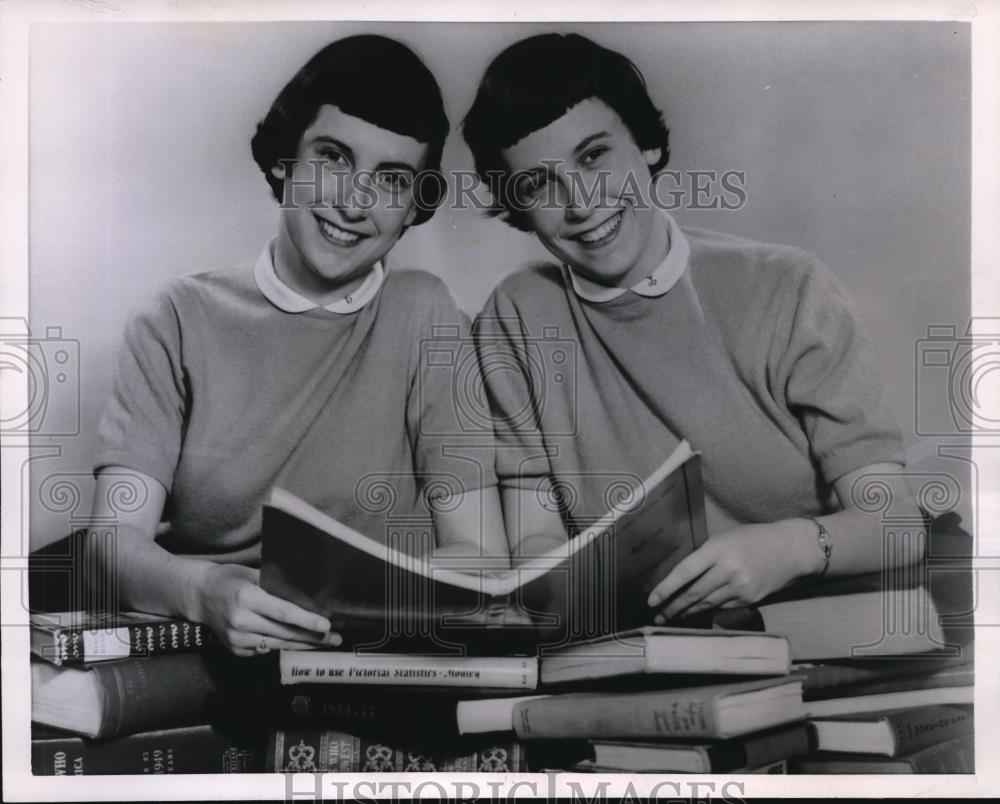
[[536, 284], [731, 253], [741, 270], [420, 293]]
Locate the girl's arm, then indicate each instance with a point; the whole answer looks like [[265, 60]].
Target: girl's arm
[[749, 562], [226, 597], [473, 527], [532, 529]]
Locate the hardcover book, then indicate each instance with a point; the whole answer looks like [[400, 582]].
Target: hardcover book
[[377, 595], [655, 650], [719, 711], [191, 749], [84, 637], [833, 678], [111, 699], [862, 616], [957, 755], [398, 710], [820, 682], [327, 750], [854, 704], [347, 667], [894, 732], [754, 751]]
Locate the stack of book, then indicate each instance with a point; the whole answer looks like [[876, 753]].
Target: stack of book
[[744, 694], [131, 693], [445, 667], [410, 712], [422, 633], [909, 714]]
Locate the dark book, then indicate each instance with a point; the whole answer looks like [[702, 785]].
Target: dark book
[[658, 650], [833, 678], [957, 755], [893, 732], [359, 583], [754, 751], [366, 710], [719, 711], [815, 687], [301, 750], [192, 749], [83, 637], [861, 616], [112, 699], [900, 699]]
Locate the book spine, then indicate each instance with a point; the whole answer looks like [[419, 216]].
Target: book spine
[[914, 729], [857, 704], [616, 716], [346, 667], [328, 751], [951, 756], [75, 646], [367, 713], [200, 749], [156, 693], [768, 747], [959, 676]]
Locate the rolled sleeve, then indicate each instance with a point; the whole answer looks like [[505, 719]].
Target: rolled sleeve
[[142, 424]]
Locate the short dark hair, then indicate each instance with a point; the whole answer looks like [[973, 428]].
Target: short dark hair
[[537, 80], [372, 77]]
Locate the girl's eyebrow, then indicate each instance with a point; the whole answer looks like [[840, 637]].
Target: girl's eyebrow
[[396, 166], [588, 140], [327, 140]]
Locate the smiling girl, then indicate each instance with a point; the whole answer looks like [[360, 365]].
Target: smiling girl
[[301, 372], [748, 350]]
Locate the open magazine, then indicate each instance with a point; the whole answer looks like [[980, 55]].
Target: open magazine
[[594, 584]]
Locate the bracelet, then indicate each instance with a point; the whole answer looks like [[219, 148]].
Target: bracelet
[[825, 544]]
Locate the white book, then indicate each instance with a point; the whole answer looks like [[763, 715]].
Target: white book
[[348, 667]]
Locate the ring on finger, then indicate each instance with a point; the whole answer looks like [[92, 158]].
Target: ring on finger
[[262, 647]]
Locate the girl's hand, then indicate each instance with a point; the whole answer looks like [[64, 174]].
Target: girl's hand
[[248, 620], [738, 568]]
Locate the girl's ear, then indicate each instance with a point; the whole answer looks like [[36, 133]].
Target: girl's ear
[[652, 156], [278, 171], [411, 215]]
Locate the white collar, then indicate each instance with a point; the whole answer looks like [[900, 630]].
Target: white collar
[[291, 301], [656, 284]]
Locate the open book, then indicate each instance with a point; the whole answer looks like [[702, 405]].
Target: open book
[[594, 584]]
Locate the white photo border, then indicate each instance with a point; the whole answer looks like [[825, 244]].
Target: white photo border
[[15, 20]]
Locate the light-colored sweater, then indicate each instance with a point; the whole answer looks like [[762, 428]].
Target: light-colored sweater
[[220, 395], [753, 356]]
